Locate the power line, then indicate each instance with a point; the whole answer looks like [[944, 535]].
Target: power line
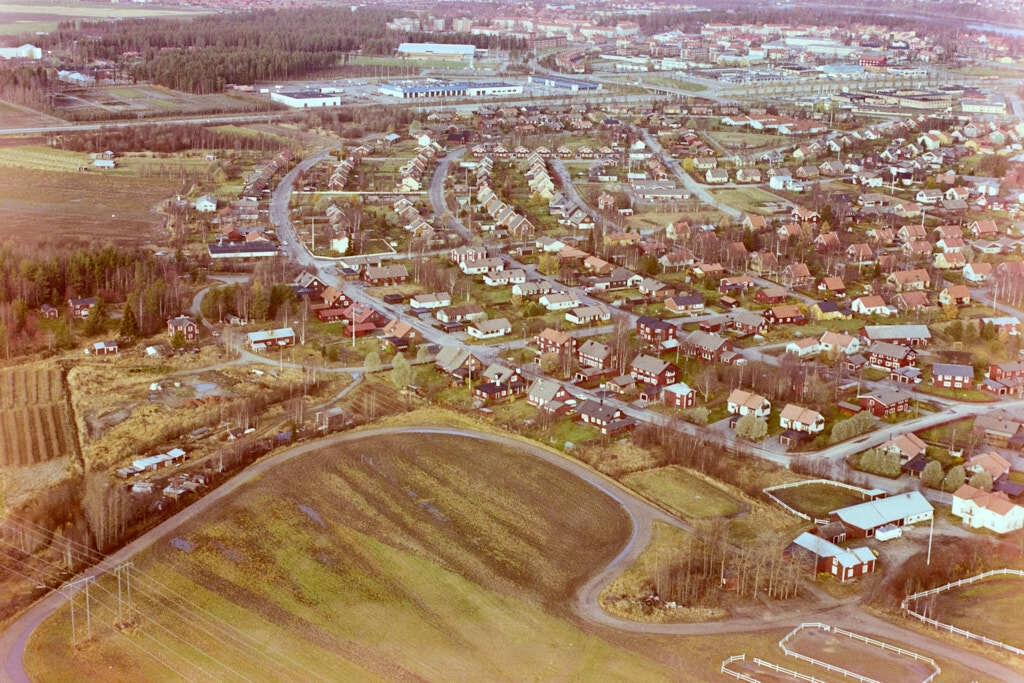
[[116, 631], [164, 592], [165, 628]]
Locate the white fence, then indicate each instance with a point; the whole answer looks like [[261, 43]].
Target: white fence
[[736, 674], [724, 668], [846, 673], [905, 605], [794, 484]]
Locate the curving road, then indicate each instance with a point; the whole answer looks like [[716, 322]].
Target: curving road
[[641, 513]]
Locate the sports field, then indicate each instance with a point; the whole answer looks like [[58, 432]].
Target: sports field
[[390, 557]]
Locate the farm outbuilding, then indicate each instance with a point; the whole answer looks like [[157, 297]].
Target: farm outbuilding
[[865, 519]]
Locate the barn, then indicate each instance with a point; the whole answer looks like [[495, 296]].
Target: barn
[[864, 519]]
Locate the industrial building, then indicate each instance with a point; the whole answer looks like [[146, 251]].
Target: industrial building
[[26, 51], [417, 89], [559, 82], [305, 99], [437, 51]]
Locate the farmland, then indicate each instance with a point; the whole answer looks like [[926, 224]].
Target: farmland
[[990, 607], [39, 204], [17, 19], [749, 199], [35, 420], [368, 561], [817, 500], [150, 100]]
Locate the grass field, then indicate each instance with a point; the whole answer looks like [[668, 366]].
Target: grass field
[[368, 561], [739, 140], [749, 199], [12, 116], [38, 204], [817, 500], [35, 420], [151, 100], [683, 492], [991, 607]]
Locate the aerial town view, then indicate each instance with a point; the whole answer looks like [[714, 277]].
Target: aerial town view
[[466, 340]]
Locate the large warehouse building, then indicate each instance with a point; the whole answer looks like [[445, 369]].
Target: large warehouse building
[[306, 99], [417, 89], [453, 51], [559, 82]]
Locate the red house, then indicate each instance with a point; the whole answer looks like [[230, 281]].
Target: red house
[[952, 375], [882, 402], [652, 370], [554, 341], [184, 324], [654, 330]]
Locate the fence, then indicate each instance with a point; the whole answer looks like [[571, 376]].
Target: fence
[[794, 484], [787, 672], [905, 605], [736, 674], [846, 673]]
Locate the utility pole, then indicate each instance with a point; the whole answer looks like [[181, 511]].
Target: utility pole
[[931, 528], [124, 593], [69, 590]]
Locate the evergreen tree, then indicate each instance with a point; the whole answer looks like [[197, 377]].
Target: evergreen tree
[[129, 328]]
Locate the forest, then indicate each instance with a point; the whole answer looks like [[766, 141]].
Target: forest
[[211, 51]]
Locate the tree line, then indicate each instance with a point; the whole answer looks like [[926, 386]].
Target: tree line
[[161, 138]]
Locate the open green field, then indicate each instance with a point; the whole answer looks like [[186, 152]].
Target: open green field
[[368, 560], [92, 206], [18, 19], [683, 492], [749, 199], [817, 500], [990, 607]]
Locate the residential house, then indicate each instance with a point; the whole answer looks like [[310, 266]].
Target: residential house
[[952, 375], [584, 315], [904, 280], [594, 354], [742, 402], [991, 463], [456, 361], [977, 272], [883, 402], [263, 340], [838, 342], [796, 275], [554, 341], [654, 330], [679, 395], [872, 305], [652, 370], [706, 346], [955, 295], [549, 395], [890, 356], [800, 419], [186, 325], [686, 304], [987, 510], [489, 329], [386, 275]]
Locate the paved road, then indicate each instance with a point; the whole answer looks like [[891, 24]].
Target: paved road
[[436, 192], [569, 190], [691, 185], [641, 513]]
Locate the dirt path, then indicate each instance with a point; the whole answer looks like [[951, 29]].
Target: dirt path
[[641, 513]]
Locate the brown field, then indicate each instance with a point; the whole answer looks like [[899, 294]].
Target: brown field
[[13, 116], [35, 420], [858, 657], [86, 206]]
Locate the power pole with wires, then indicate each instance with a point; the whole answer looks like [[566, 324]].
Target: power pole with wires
[[69, 589]]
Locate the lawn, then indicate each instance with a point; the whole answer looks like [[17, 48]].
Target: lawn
[[683, 492], [976, 395], [991, 607], [367, 560], [817, 500], [17, 19]]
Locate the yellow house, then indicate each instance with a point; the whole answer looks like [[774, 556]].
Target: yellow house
[[828, 310]]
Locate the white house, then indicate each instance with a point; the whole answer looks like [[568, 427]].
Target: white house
[[435, 300], [801, 419], [206, 204], [806, 346], [993, 511], [741, 402], [558, 301], [488, 329]]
